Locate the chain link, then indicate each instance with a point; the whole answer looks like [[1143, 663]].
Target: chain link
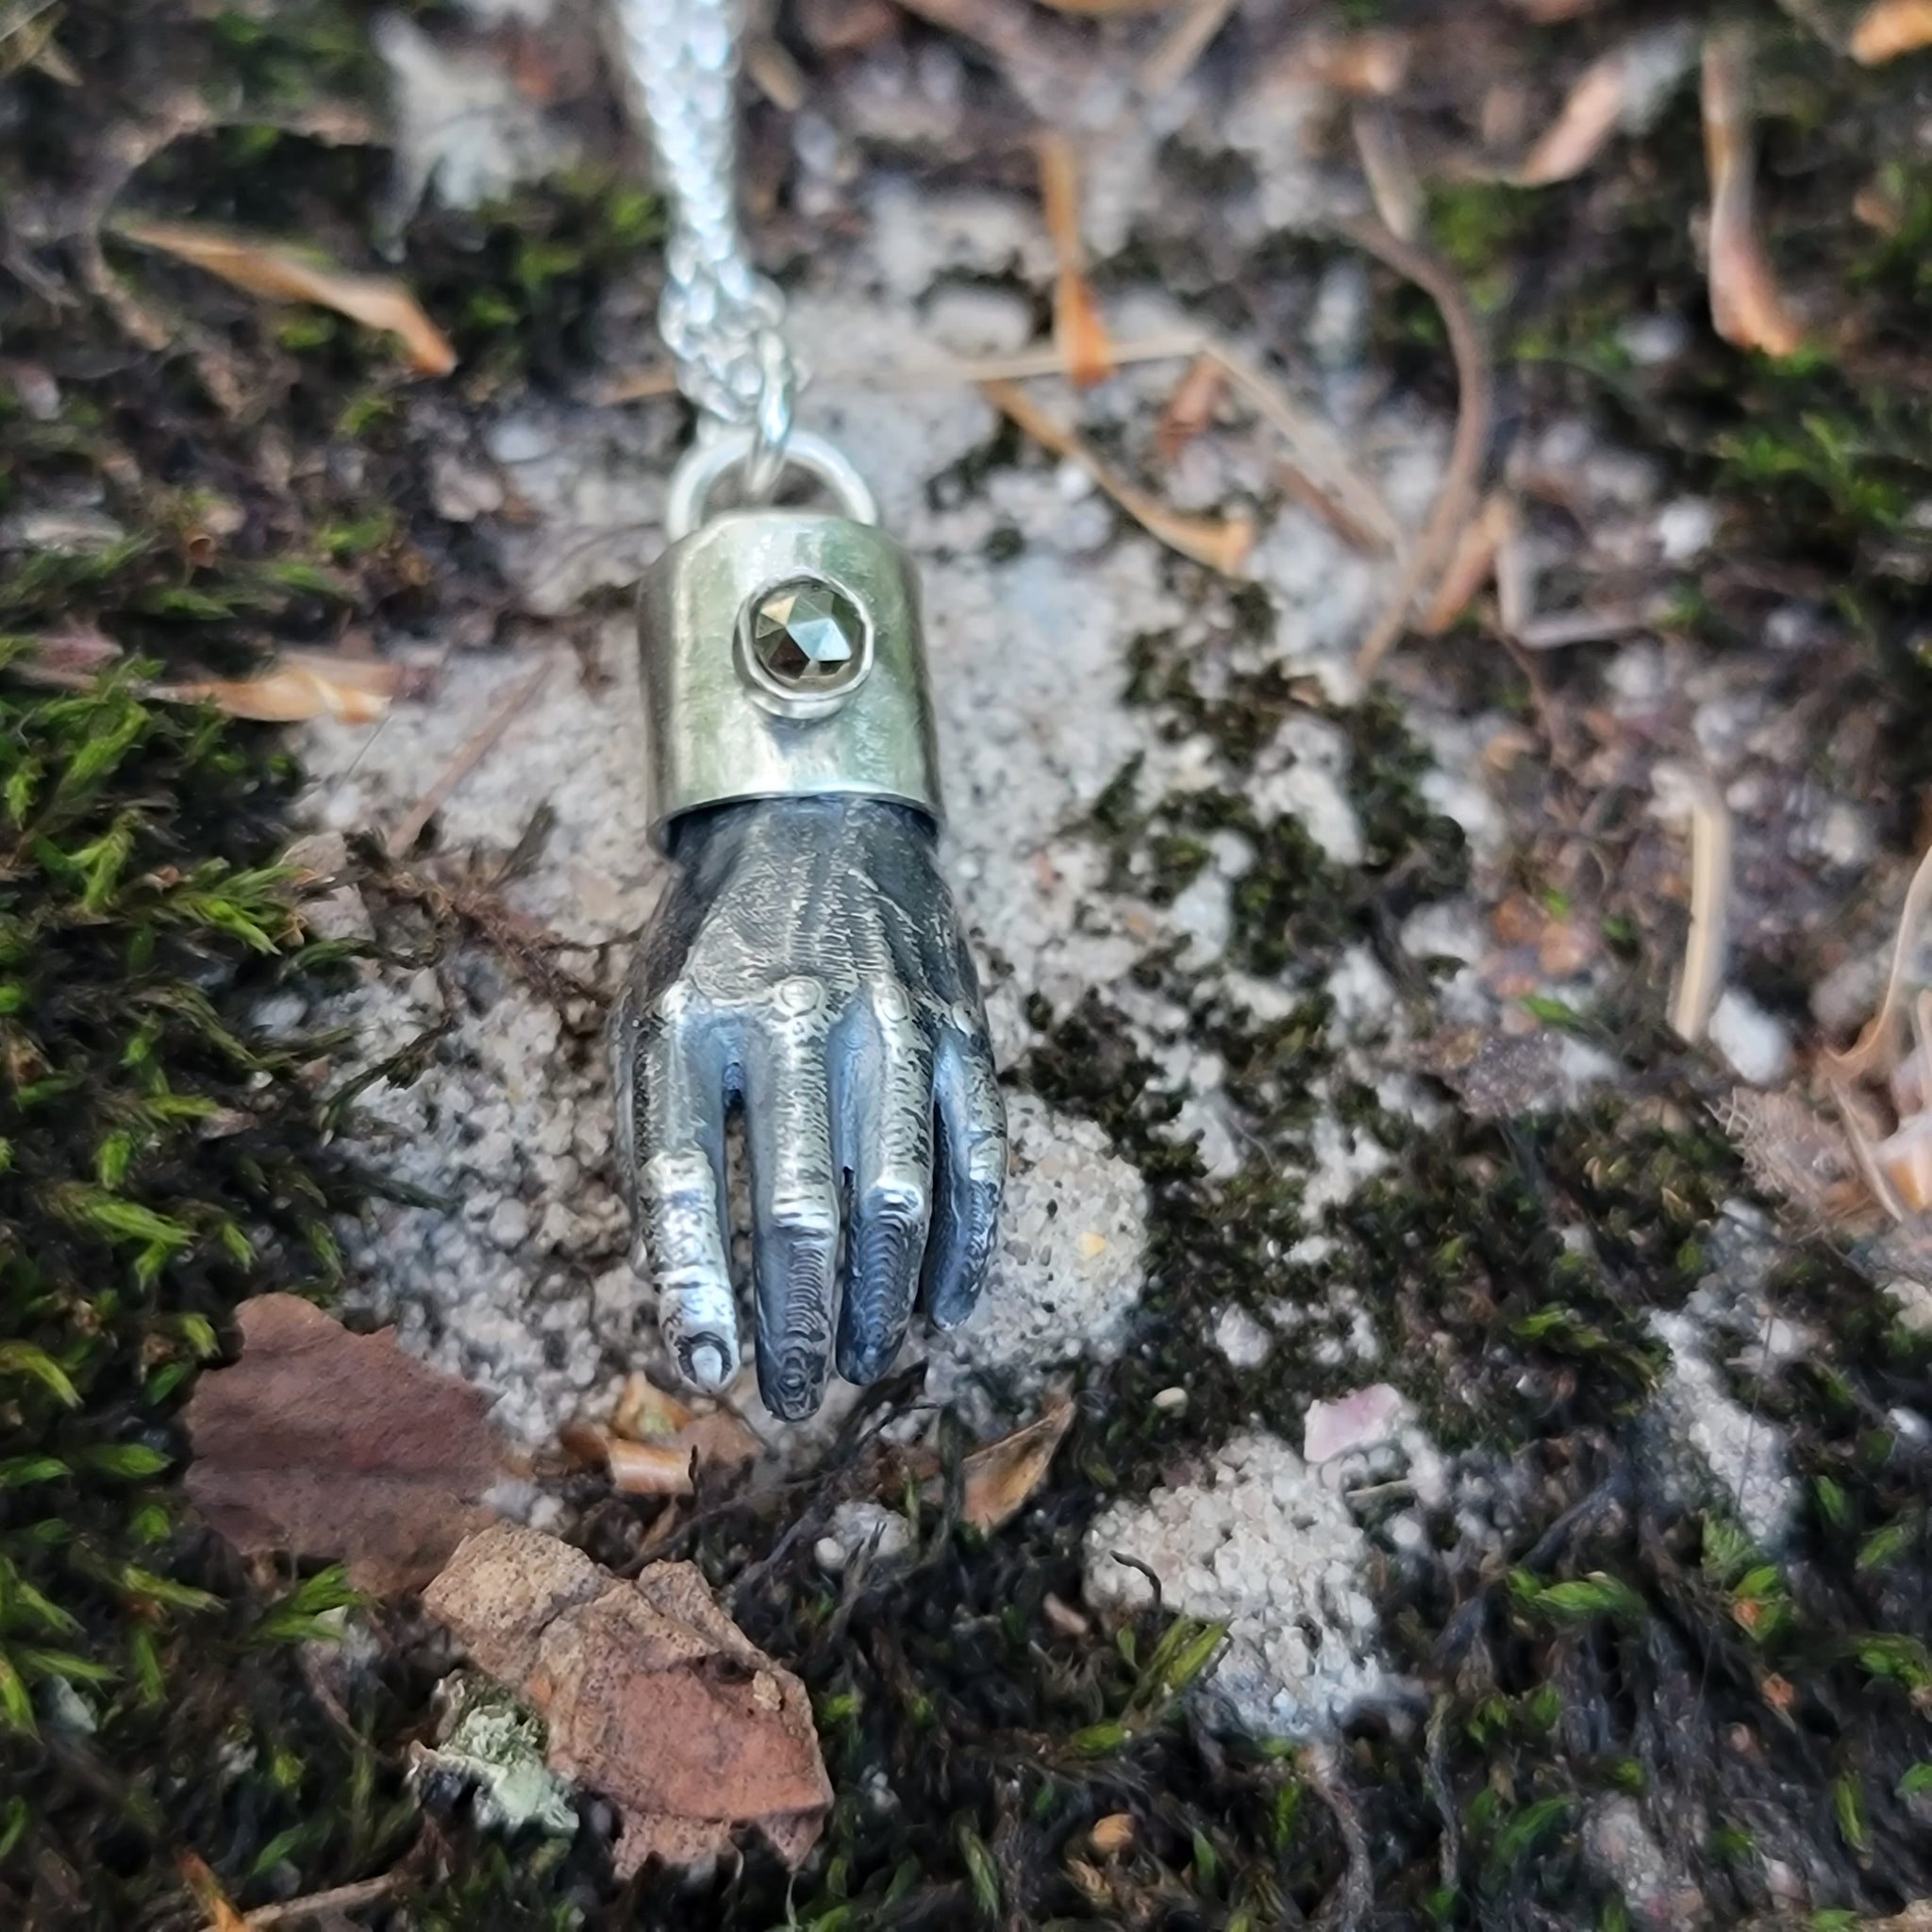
[[721, 321]]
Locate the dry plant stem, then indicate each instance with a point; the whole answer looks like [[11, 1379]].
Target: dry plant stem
[[1865, 1150], [1190, 37], [1078, 333], [343, 1898], [1390, 174], [1711, 902], [1746, 307], [1347, 1907], [1455, 495], [410, 828], [1221, 544], [1874, 1047], [1477, 555], [1313, 447]]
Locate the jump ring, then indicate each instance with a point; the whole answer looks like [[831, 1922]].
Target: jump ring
[[705, 465]]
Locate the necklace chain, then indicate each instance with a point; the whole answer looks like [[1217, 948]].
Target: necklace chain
[[721, 321]]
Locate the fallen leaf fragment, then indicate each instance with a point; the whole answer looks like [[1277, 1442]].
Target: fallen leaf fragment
[[286, 274], [1746, 307], [209, 1895], [339, 1446], [1000, 1477], [1220, 542], [1890, 29], [653, 1696], [1078, 333], [300, 685], [1622, 89]]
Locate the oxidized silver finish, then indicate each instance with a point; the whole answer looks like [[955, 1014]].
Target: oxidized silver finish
[[717, 730], [807, 968]]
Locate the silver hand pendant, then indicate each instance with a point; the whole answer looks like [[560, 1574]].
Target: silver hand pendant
[[806, 966]]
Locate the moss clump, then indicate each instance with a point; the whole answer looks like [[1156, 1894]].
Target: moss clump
[[157, 1162]]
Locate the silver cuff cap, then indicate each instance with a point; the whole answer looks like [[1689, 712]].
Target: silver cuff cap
[[782, 656]]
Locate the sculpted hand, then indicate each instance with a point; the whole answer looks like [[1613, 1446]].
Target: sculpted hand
[[806, 968]]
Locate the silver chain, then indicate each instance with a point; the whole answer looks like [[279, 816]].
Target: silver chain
[[721, 321]]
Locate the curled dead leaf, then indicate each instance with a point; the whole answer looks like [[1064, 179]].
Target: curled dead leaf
[[1746, 307], [1002, 1476], [1085, 349], [1221, 544], [338, 1446], [652, 1696], [285, 273], [1890, 29]]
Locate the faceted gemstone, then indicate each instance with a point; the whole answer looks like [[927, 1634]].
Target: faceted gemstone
[[806, 634]]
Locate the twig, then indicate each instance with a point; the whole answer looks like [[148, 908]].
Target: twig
[[1455, 495], [1181, 47], [1711, 902], [410, 828], [1348, 1906], [1865, 1151], [1220, 542], [343, 1898], [1861, 1060]]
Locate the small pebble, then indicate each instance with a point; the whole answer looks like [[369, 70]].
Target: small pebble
[[1172, 1399]]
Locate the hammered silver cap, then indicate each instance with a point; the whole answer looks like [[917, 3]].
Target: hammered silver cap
[[782, 656]]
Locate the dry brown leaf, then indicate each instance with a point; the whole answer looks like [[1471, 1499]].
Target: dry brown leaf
[[652, 1696], [338, 1446], [1078, 333], [1746, 306], [1000, 1477], [1890, 29], [1221, 544], [286, 274], [1190, 407]]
